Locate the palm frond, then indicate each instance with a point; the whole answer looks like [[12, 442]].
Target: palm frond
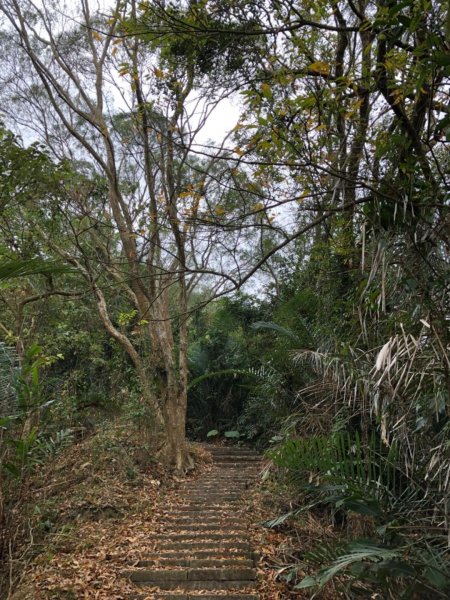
[[356, 552], [21, 268], [222, 373], [259, 325]]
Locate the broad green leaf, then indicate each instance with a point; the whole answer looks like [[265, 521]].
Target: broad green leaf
[[437, 578], [232, 434]]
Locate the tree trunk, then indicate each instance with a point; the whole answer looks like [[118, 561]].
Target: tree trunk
[[175, 450]]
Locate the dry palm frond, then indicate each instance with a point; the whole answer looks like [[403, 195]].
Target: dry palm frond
[[402, 385]]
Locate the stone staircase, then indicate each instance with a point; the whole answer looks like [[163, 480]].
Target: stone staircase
[[203, 550]]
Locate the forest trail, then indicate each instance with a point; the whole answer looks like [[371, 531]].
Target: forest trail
[[203, 549]]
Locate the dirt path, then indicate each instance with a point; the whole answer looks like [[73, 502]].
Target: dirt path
[[203, 547]]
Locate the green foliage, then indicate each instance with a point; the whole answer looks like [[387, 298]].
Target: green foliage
[[220, 366], [402, 570], [260, 325], [26, 172], [23, 268], [232, 435], [21, 444], [223, 373], [269, 402], [124, 318], [30, 388], [354, 394], [339, 470], [357, 554], [9, 365], [342, 470], [199, 38], [262, 384]]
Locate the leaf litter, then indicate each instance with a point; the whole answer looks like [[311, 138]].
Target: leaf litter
[[106, 521]]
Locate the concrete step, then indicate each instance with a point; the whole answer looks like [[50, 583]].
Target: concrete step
[[238, 465], [223, 484], [198, 562], [195, 528], [223, 475], [194, 514], [225, 471], [195, 596], [197, 536], [219, 501], [215, 511], [183, 575], [196, 531], [210, 519], [213, 520], [211, 514], [217, 491], [227, 504], [218, 488], [205, 553], [250, 475], [234, 467], [230, 450], [210, 493], [227, 490], [221, 497], [199, 507], [213, 499], [199, 585], [213, 545], [234, 457]]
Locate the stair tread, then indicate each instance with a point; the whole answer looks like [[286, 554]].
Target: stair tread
[[195, 596], [199, 585], [238, 562], [192, 574]]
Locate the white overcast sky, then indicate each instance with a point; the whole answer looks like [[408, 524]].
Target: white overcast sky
[[222, 120]]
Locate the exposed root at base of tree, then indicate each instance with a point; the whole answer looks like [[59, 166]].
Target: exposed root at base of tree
[[181, 462]]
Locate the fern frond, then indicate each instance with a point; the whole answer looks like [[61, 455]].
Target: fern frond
[[223, 373], [278, 329]]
